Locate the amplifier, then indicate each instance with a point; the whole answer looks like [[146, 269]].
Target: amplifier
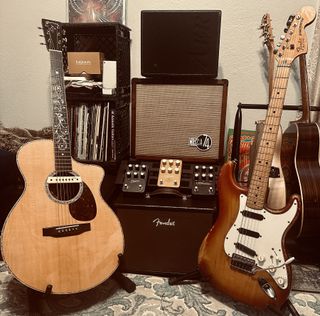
[[178, 118], [162, 234], [180, 42], [165, 208]]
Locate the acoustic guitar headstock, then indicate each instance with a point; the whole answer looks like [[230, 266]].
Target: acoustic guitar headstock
[[54, 35]]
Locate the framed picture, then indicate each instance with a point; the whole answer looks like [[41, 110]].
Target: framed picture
[[84, 11]]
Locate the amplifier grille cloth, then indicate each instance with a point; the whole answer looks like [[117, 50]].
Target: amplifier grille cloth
[[167, 116]]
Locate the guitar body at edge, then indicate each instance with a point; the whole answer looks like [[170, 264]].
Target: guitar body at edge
[[215, 263], [300, 159], [69, 264]]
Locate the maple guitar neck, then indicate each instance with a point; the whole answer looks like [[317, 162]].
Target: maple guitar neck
[[261, 169]]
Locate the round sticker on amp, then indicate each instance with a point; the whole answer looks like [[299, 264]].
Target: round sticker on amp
[[203, 142]]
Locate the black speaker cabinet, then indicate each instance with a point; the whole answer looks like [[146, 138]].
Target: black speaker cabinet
[[162, 234], [180, 43], [178, 118]]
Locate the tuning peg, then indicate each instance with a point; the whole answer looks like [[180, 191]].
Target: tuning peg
[[42, 43], [290, 19], [41, 35], [39, 28]]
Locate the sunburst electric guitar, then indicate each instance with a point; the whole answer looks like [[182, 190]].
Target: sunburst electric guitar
[[244, 255], [60, 233]]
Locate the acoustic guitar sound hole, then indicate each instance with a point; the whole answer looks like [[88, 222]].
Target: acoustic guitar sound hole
[[64, 187]]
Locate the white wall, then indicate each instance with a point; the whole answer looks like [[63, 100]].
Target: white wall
[[24, 80]]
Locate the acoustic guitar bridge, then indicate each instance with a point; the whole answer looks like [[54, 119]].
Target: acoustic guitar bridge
[[66, 230]]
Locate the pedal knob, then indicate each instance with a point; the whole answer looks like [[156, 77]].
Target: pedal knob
[[135, 174], [142, 175], [169, 170], [196, 176], [176, 170], [170, 162], [130, 166], [203, 176], [163, 169], [128, 173], [143, 167], [136, 167], [204, 168], [164, 162], [196, 189], [178, 163]]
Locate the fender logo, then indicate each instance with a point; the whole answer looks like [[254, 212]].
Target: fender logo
[[158, 222]]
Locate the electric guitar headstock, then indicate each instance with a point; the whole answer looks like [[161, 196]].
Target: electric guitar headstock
[[54, 35], [294, 42], [266, 28]]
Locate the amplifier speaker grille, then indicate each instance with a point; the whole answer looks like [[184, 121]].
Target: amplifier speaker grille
[[170, 117]]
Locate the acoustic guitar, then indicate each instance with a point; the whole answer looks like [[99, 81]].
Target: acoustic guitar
[[300, 158], [61, 234], [244, 255]]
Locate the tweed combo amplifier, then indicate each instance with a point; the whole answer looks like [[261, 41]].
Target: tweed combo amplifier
[[178, 118]]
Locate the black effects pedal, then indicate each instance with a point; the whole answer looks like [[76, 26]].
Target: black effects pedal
[[204, 179], [135, 178]]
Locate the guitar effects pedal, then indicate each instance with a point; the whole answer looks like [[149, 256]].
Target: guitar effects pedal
[[170, 173], [135, 178]]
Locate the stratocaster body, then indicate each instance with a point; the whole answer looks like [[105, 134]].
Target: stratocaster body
[[239, 273], [72, 244]]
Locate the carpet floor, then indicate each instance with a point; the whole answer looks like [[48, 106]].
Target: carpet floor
[[154, 296]]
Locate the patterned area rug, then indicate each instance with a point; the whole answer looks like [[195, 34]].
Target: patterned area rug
[[153, 296]]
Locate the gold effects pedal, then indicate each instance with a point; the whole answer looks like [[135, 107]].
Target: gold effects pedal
[[170, 173]]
